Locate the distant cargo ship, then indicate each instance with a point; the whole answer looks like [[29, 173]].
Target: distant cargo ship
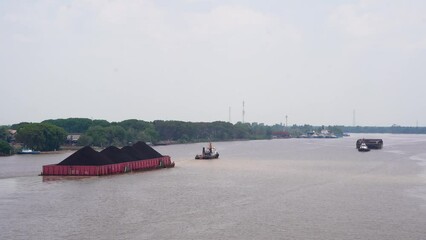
[[371, 143]]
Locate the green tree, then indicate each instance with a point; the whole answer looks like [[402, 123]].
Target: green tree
[[336, 130], [41, 136], [149, 134], [116, 135], [72, 125], [102, 123], [138, 130], [19, 125], [241, 130], [5, 148], [85, 140], [260, 131], [98, 135], [3, 133]]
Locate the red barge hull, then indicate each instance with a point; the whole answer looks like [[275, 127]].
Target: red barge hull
[[117, 168]]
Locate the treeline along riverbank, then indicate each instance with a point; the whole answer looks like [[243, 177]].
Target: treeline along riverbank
[[101, 133], [50, 135]]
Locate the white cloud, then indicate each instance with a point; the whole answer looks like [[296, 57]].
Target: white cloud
[[240, 35], [359, 20], [227, 19], [268, 57], [380, 23], [230, 19]]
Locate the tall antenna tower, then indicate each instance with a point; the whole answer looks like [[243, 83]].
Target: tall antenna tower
[[353, 118], [244, 112], [229, 114], [286, 121]]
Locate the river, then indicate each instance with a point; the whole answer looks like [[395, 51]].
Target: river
[[268, 189]]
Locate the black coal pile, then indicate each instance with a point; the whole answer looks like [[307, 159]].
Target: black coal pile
[[86, 156], [116, 155], [135, 154], [111, 155], [149, 151]]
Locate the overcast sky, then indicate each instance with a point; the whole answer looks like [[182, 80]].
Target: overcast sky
[[197, 60]]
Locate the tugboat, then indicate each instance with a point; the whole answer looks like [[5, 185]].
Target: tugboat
[[371, 143], [209, 153], [363, 147]]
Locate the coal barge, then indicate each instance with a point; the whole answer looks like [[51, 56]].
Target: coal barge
[[371, 143], [111, 160]]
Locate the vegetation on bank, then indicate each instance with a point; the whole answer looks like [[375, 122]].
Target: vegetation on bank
[[41, 136], [392, 129], [5, 148], [49, 135]]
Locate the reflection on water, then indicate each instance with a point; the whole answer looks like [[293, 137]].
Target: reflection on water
[[273, 189], [64, 178]]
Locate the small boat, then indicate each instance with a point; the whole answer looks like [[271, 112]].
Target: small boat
[[28, 151], [209, 153], [363, 148]]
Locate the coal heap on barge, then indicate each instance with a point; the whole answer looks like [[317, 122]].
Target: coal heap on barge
[[371, 143], [111, 160]]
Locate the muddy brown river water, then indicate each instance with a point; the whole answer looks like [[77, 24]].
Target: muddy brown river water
[[269, 189]]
